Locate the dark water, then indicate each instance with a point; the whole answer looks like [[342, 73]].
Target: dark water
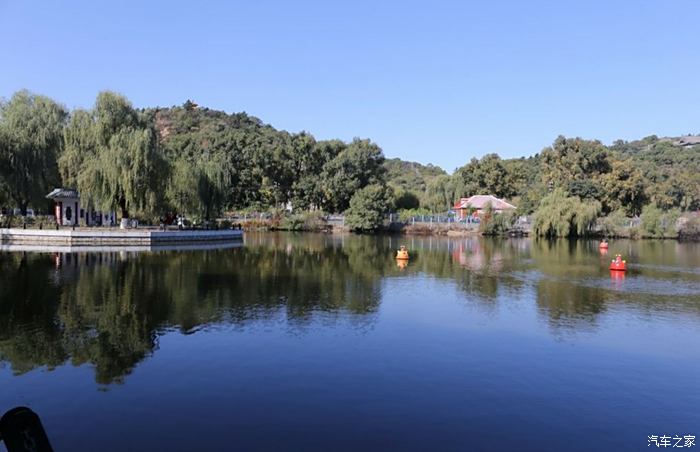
[[314, 342]]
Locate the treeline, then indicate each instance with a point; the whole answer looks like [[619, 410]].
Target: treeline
[[149, 163], [576, 186]]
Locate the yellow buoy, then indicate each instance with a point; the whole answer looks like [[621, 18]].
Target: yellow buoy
[[402, 254]]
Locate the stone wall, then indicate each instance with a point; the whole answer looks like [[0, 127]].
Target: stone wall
[[121, 237]]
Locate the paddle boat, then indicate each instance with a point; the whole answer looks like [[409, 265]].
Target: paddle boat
[[402, 254], [603, 245], [618, 264]]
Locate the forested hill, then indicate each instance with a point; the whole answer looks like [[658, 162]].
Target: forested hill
[[241, 162], [201, 162], [277, 166]]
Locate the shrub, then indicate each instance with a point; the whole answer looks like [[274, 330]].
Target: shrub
[[406, 200], [405, 215], [305, 221], [657, 223], [367, 208], [616, 224], [497, 224]]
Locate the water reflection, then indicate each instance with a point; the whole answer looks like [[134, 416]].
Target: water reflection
[[109, 309]]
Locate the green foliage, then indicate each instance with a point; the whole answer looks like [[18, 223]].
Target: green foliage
[[406, 200], [616, 224], [412, 177], [486, 176], [202, 162], [31, 129], [574, 159], [657, 223], [623, 188], [367, 208], [560, 215], [305, 221], [112, 157], [405, 215], [440, 194], [497, 223], [355, 167]]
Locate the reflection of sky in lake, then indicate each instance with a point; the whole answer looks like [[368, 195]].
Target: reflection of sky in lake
[[321, 342]]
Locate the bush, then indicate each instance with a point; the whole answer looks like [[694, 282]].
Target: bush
[[497, 224], [406, 200], [405, 215], [367, 208], [657, 223], [616, 224], [305, 221]]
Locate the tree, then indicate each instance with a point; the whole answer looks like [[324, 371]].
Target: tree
[[560, 215], [31, 138], [182, 189], [357, 166], [412, 177], [486, 176], [573, 160], [112, 157], [623, 188], [406, 200], [367, 208], [440, 193], [659, 223]]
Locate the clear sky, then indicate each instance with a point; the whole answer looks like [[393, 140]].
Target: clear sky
[[431, 81]]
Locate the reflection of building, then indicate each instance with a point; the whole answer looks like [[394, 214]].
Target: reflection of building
[[68, 211], [478, 204]]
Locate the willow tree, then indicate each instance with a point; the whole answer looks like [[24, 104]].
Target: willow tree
[[559, 215], [112, 157], [31, 137]]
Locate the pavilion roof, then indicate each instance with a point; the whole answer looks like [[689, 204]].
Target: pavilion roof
[[62, 193]]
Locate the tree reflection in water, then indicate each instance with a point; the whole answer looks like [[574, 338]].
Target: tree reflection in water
[[109, 309]]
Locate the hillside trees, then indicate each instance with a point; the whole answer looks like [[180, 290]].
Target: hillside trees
[[203, 162], [573, 159]]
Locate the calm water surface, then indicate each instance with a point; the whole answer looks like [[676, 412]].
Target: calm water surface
[[318, 342]]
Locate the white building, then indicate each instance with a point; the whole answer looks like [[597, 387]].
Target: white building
[[69, 212]]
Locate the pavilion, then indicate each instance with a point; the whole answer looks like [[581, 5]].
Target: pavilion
[[69, 212]]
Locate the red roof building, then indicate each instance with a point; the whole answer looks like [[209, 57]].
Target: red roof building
[[478, 203]]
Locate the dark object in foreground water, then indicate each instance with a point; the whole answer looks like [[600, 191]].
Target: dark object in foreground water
[[21, 430]]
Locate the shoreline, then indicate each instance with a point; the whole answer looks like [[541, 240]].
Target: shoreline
[[112, 237]]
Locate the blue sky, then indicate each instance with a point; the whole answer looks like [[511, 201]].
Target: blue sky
[[437, 81]]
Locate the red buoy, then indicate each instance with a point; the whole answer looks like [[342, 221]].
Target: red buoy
[[603, 245], [618, 264]]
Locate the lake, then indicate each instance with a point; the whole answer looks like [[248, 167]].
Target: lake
[[325, 343]]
